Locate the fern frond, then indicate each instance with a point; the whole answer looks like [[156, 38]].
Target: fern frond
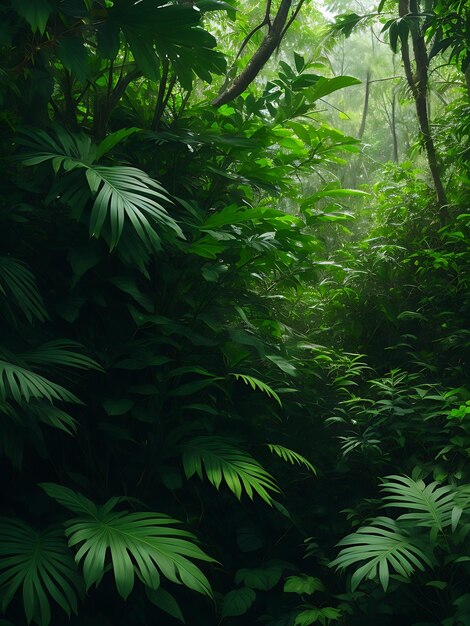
[[290, 456], [222, 461], [255, 383]]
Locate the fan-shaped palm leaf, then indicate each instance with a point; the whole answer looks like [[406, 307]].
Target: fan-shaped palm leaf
[[223, 461], [128, 192], [121, 193], [41, 565], [139, 543], [431, 505], [18, 284], [384, 547]]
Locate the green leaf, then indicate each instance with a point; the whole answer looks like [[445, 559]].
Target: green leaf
[[303, 584], [21, 385], [74, 55], [255, 383], [314, 614], [118, 407], [41, 565], [290, 456], [137, 542], [431, 506], [128, 193], [113, 139], [166, 602], [123, 195], [324, 86], [263, 578], [299, 62], [283, 364], [36, 13], [108, 40], [70, 499], [382, 546], [18, 285], [222, 461], [237, 602], [61, 352], [346, 23]]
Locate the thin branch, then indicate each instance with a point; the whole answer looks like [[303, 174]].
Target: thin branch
[[259, 59], [292, 19], [266, 22]]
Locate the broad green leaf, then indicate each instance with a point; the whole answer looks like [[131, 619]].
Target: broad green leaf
[[35, 12], [74, 55], [263, 578], [237, 602], [324, 86], [113, 139], [303, 584], [166, 602]]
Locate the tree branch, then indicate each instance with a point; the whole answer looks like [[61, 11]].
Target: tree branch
[[259, 59]]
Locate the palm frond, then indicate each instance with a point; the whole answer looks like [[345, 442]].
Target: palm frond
[[383, 547], [139, 543], [222, 461], [431, 505], [255, 383], [127, 192], [17, 284], [61, 352], [290, 456], [21, 384], [41, 565], [64, 149], [121, 194]]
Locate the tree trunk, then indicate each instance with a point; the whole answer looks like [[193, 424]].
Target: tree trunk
[[259, 59], [365, 109], [467, 79], [419, 85], [393, 126]]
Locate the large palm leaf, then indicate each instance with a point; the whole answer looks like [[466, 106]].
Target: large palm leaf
[[139, 543], [381, 547], [122, 195], [221, 460], [40, 564], [429, 506]]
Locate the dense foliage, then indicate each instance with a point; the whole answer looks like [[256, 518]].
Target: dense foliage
[[232, 390]]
